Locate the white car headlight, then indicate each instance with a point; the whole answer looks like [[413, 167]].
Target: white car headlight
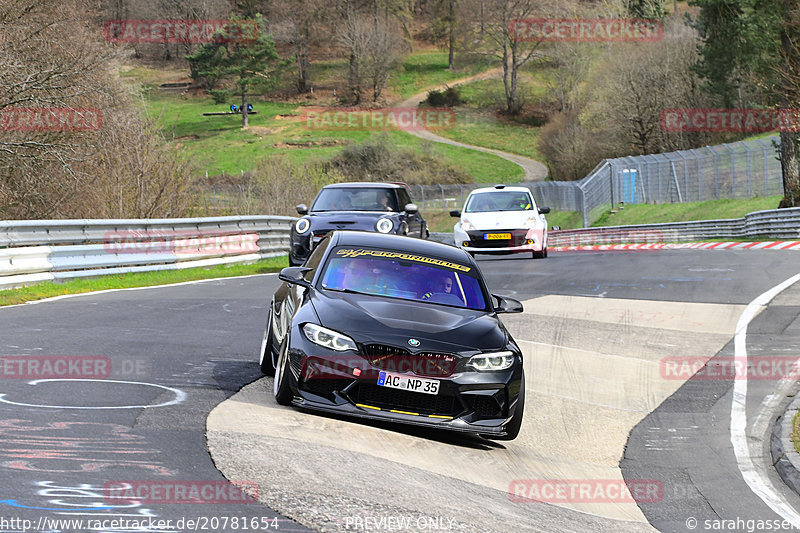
[[466, 225], [384, 225], [491, 362], [327, 338], [302, 225]]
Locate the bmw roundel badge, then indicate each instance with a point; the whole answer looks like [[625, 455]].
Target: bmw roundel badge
[[413, 342]]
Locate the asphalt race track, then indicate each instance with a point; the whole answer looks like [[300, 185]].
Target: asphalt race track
[[603, 409]]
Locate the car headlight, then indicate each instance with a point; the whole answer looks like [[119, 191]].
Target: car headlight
[[466, 225], [491, 362], [384, 225], [302, 226], [327, 338]]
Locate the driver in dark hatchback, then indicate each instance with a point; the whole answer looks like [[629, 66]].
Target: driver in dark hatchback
[[381, 207], [394, 328]]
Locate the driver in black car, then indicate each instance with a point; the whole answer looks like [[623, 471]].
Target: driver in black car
[[443, 286]]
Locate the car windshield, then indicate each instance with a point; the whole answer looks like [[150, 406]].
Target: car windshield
[[355, 199], [403, 275], [499, 201]]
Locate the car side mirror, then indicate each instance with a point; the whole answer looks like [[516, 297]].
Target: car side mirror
[[302, 209], [295, 276], [455, 213], [506, 304], [411, 209], [544, 210]]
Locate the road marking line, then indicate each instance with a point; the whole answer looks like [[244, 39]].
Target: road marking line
[[90, 293], [180, 396], [755, 475]]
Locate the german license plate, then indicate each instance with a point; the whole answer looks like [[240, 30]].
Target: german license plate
[[414, 384], [497, 236]]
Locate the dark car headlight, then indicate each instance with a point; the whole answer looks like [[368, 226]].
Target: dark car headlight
[[327, 338], [302, 226], [491, 362], [384, 225]]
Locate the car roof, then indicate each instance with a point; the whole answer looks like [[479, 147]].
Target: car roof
[[495, 189], [371, 184], [401, 243]]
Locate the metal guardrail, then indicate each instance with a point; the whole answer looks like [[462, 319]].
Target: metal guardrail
[[42, 250], [772, 224], [743, 169]]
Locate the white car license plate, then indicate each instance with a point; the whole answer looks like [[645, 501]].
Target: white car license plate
[[399, 381]]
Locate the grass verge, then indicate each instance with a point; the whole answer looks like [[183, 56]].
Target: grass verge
[[141, 279], [709, 210]]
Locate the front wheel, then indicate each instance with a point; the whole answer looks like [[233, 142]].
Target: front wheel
[[540, 255], [281, 389], [268, 357]]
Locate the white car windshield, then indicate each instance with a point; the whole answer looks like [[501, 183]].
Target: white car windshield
[[499, 201]]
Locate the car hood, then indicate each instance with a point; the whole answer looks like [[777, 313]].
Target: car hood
[[362, 220], [371, 319], [501, 219]]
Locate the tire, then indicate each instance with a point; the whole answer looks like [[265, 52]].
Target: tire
[[281, 388], [513, 427], [267, 356], [294, 263], [540, 255]]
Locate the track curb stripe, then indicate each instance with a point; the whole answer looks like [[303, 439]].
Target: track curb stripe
[[768, 245]]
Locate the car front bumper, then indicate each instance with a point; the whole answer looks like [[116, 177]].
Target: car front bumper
[[522, 240], [467, 401]]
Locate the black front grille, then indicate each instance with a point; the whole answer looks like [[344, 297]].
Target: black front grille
[[393, 359], [486, 406], [416, 402], [322, 386], [477, 239]]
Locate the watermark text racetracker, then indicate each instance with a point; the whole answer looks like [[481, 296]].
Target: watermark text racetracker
[[78, 367], [180, 31], [728, 368], [586, 490], [576, 30], [383, 119], [181, 492], [50, 119], [179, 242], [717, 120]]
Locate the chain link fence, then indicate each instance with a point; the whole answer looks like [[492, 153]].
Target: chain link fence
[[742, 169]]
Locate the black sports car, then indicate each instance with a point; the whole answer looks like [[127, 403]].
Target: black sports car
[[394, 328], [381, 207]]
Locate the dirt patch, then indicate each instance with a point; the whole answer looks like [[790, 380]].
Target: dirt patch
[[297, 143], [261, 130]]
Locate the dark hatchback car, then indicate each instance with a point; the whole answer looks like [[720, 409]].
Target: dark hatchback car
[[393, 328], [380, 207]]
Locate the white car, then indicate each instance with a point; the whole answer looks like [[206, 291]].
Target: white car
[[501, 219]]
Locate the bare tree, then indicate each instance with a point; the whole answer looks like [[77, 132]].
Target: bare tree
[[45, 63], [373, 46], [631, 86], [501, 40], [300, 26]]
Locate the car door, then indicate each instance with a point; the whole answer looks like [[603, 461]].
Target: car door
[[416, 224]]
